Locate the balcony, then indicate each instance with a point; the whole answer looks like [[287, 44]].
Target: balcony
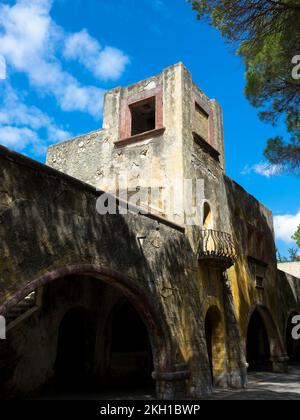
[[216, 249]]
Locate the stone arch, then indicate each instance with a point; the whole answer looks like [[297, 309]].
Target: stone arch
[[216, 344], [148, 310], [277, 355]]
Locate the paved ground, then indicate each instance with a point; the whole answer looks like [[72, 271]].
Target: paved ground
[[265, 386], [261, 386]]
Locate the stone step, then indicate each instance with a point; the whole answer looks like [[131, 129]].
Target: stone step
[[21, 308]]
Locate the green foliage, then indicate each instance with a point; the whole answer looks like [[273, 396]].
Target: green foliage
[[266, 34], [296, 236], [292, 257], [281, 258]]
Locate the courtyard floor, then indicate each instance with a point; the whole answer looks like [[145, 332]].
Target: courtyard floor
[[265, 386], [261, 386]]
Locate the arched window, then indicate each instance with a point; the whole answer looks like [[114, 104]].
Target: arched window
[[207, 218]]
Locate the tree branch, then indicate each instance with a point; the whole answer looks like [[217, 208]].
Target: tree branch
[[284, 5]]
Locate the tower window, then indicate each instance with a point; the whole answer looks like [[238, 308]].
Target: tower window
[[201, 123], [259, 282], [143, 116]]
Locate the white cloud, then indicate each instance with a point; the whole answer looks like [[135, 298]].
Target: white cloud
[[31, 41], [267, 170], [81, 46], [24, 127], [264, 169], [107, 63], [15, 137], [285, 226], [110, 63]]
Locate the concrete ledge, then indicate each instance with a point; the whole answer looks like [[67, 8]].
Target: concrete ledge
[[139, 137]]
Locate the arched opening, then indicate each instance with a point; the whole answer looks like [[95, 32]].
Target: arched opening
[[215, 343], [95, 290], [130, 360], [74, 357], [292, 345], [206, 222], [258, 345], [103, 346]]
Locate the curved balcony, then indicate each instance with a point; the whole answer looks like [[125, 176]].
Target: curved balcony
[[216, 249]]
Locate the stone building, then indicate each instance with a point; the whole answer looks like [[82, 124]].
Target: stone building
[[181, 296]]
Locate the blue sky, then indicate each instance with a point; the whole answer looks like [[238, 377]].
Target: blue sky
[[62, 55]]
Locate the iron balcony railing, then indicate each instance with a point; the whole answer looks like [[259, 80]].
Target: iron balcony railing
[[217, 248]]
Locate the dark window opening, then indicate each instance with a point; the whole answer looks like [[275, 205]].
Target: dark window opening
[[143, 116], [259, 282]]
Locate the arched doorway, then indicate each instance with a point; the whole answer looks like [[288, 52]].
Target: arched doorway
[[215, 343], [130, 361], [103, 344], [258, 345], [292, 345], [74, 358], [74, 286]]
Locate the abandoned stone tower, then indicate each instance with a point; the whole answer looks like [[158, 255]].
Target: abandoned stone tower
[[173, 299]]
